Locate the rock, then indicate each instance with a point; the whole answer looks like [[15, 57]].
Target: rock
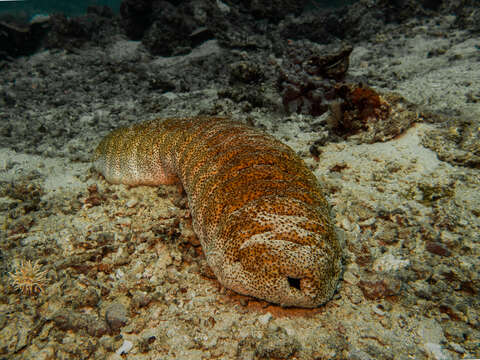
[[356, 354], [308, 75], [67, 319], [430, 331], [131, 203], [468, 18], [136, 17], [125, 348], [455, 141], [437, 249], [170, 31], [437, 352], [273, 10], [116, 316], [277, 344], [245, 72], [265, 319], [70, 33], [374, 290], [15, 335], [457, 348], [366, 116], [100, 10], [17, 40], [79, 297], [140, 299]]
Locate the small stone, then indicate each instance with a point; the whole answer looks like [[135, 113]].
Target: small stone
[[373, 290], [264, 319], [354, 294], [141, 299], [114, 356], [350, 277], [436, 351], [356, 354], [116, 316], [125, 348], [277, 344], [457, 348], [47, 353], [131, 203], [430, 331], [437, 249], [390, 263], [124, 221], [378, 311]]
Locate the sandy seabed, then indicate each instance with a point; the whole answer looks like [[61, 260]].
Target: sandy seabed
[[123, 270]]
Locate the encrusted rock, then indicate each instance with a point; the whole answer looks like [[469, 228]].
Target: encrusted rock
[[308, 75], [68, 320], [367, 116], [379, 289], [116, 316]]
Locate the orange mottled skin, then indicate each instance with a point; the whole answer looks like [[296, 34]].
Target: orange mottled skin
[[258, 211]]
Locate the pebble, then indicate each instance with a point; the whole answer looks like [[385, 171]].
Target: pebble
[[125, 348], [116, 316], [457, 348], [123, 221], [431, 332], [131, 203], [436, 351], [264, 319]]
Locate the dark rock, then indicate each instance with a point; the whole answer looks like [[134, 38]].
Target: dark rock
[[245, 94], [369, 116], [468, 18], [246, 72], [79, 298], [200, 35], [437, 248], [136, 17], [379, 289], [7, 98], [17, 40], [308, 75], [101, 10], [116, 316], [364, 19], [69, 33], [275, 344], [456, 141], [322, 27], [141, 299], [161, 83], [69, 320], [273, 10], [169, 33]]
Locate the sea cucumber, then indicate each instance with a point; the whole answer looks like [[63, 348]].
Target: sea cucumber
[[258, 211]]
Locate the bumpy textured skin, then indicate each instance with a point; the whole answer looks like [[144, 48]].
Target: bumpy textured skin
[[258, 211]]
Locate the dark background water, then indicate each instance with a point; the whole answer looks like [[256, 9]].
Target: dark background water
[[29, 8], [33, 7]]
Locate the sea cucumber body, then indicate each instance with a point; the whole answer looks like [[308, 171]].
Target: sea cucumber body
[[256, 208]]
